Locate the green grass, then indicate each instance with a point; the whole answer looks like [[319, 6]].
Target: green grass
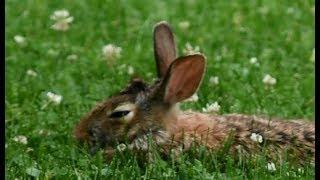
[[229, 33]]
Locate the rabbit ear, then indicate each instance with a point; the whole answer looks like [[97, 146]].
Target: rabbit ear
[[183, 78], [164, 47]]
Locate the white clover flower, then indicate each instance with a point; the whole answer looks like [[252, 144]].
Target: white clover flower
[[60, 26], [184, 25], [149, 74], [214, 80], [193, 98], [6, 145], [237, 18], [291, 10], [269, 80], [41, 132], [59, 14], [72, 57], [29, 149], [31, 72], [121, 147], [25, 13], [312, 57], [253, 60], [62, 20], [55, 98], [21, 139], [243, 29], [297, 75], [111, 51], [256, 138], [130, 70], [211, 108], [218, 58], [188, 50], [271, 166], [52, 52], [264, 10], [19, 39], [245, 71]]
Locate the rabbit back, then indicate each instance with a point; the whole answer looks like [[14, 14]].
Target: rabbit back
[[248, 133]]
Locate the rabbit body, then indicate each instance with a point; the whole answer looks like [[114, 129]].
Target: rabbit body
[[141, 111]]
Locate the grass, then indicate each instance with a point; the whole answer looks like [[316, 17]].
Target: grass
[[229, 33]]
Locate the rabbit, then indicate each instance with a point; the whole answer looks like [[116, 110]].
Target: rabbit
[[142, 111]]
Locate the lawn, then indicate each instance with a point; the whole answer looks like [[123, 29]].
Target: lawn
[[243, 41]]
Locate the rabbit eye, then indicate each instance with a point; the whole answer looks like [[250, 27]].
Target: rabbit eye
[[125, 112], [119, 114]]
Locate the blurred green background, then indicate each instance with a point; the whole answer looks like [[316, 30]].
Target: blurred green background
[[40, 59]]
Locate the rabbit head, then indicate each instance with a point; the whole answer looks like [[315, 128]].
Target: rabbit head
[[141, 109]]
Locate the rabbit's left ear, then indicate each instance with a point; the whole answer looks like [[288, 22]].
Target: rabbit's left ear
[[183, 78]]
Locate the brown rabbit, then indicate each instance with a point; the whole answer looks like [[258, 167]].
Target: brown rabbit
[[141, 111]]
